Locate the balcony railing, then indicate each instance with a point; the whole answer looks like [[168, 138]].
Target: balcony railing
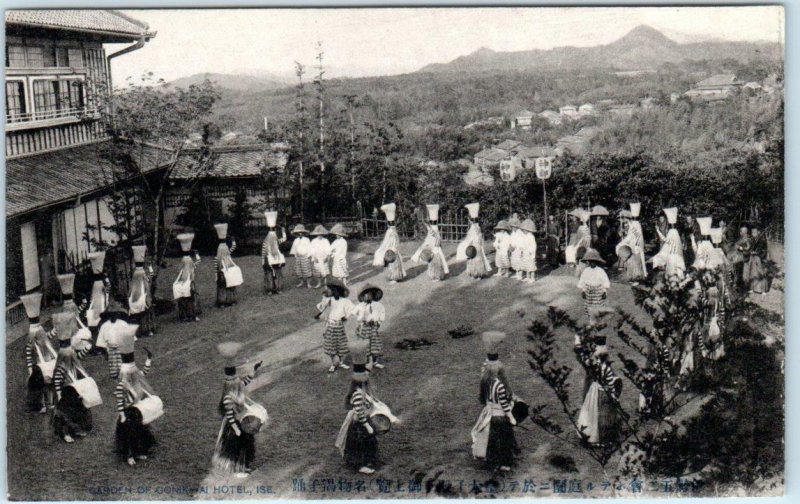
[[49, 117]]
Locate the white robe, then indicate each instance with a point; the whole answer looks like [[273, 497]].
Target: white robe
[[671, 254], [391, 241], [634, 239], [583, 238], [475, 238], [432, 242]]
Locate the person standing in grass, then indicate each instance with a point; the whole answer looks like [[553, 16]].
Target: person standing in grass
[[134, 439], [301, 250], [339, 308], [320, 255], [593, 282], [388, 253], [235, 449], [755, 274], [631, 248], [493, 440], [598, 422], [140, 300], [272, 260], [501, 249], [184, 288], [99, 295], [226, 295], [430, 251], [514, 248], [71, 418], [339, 268], [40, 357], [357, 440], [670, 256], [471, 247], [371, 314], [526, 243]]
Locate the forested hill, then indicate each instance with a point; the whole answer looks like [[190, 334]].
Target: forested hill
[[641, 48]]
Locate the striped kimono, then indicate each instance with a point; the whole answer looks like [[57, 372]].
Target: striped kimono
[[493, 439], [594, 285], [670, 257], [370, 316], [234, 453], [301, 250], [71, 417], [40, 387], [334, 338], [133, 439], [598, 419]]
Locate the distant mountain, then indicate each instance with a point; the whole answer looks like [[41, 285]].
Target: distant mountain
[[235, 82], [643, 47]]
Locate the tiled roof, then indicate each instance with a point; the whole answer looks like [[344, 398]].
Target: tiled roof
[[718, 80], [534, 152], [491, 154], [548, 113], [232, 163], [524, 113], [49, 178], [507, 144], [95, 20]]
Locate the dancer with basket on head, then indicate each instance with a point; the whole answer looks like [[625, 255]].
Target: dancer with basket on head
[[388, 253], [75, 390], [339, 308], [430, 251], [229, 275], [140, 299], [184, 289], [242, 417], [137, 405], [99, 295], [366, 417], [301, 250], [670, 257], [631, 248], [272, 260], [493, 440], [471, 247], [40, 357]]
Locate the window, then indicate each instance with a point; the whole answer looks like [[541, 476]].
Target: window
[[57, 98], [49, 56], [15, 56], [15, 101], [75, 57], [35, 56], [62, 57]]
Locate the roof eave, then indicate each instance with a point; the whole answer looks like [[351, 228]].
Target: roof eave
[[124, 36]]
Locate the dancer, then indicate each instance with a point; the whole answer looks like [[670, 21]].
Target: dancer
[[526, 244], [301, 250], [357, 440], [631, 248], [109, 337], [704, 246], [184, 289], [134, 439], [40, 357], [593, 282], [754, 273], [98, 298], [371, 314], [493, 440], [72, 417], [600, 231], [339, 268], [272, 260], [82, 337], [339, 308], [514, 248], [388, 253], [229, 276], [471, 247], [553, 241], [235, 450], [670, 257], [140, 300], [598, 421], [430, 251], [501, 249], [320, 255]]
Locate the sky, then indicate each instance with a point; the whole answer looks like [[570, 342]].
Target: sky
[[366, 42]]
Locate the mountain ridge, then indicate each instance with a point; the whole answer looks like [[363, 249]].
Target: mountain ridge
[[642, 47]]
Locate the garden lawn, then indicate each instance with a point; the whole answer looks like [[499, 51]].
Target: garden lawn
[[434, 390]]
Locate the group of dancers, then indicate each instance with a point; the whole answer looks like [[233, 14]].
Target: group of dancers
[[59, 383]]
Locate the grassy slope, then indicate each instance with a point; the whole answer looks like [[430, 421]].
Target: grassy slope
[[433, 390]]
